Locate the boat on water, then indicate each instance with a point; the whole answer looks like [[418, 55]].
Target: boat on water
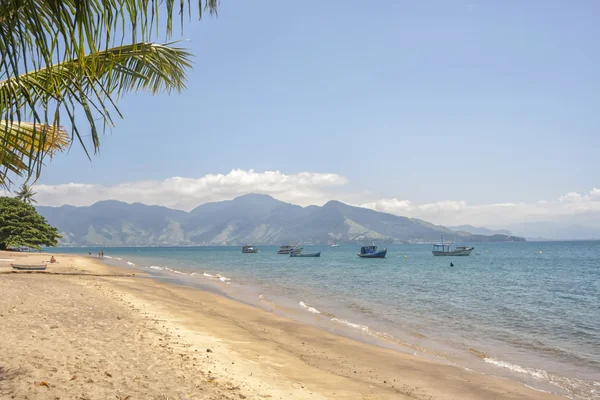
[[29, 267], [443, 249], [371, 252], [288, 249], [300, 254], [249, 249]]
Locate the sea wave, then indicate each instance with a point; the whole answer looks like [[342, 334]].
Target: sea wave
[[309, 308], [156, 267], [363, 328], [130, 263], [576, 388], [536, 373], [222, 278]]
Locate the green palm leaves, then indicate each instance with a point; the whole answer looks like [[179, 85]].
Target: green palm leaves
[[66, 58]]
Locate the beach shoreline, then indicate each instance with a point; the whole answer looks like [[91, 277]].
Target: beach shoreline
[[251, 349]]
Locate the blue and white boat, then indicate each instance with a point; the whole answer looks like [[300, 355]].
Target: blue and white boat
[[371, 252]]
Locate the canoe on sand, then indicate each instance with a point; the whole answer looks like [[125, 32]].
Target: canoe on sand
[[29, 267]]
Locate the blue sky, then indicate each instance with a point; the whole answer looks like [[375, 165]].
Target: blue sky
[[483, 102]]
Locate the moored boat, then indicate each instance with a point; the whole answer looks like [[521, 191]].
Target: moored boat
[[300, 254], [29, 267], [371, 252], [443, 249], [249, 249], [288, 249]]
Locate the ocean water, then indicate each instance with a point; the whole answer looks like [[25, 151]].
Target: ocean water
[[523, 311]]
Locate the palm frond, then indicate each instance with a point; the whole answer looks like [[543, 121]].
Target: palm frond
[[90, 84], [59, 56], [20, 142]]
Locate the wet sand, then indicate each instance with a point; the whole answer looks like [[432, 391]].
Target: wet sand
[[85, 330]]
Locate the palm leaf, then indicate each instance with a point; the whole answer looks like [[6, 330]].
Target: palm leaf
[[25, 140], [90, 84], [57, 57]]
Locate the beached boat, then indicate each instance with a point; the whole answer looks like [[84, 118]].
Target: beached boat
[[287, 249], [371, 252], [443, 249], [29, 267], [300, 254], [249, 249]]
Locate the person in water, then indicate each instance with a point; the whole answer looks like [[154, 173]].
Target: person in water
[[451, 264]]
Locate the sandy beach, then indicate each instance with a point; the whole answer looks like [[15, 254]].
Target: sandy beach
[[85, 330]]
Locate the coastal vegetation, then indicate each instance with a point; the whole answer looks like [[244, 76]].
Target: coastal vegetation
[[25, 194], [21, 225], [62, 59]]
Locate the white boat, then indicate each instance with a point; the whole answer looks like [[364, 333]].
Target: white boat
[[288, 249], [443, 249]]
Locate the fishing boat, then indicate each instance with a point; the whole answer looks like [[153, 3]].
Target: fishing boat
[[249, 249], [443, 249], [305, 254], [287, 249], [29, 267], [371, 252]]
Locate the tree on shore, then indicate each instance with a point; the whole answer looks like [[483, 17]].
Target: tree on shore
[[65, 58], [25, 194], [21, 225]]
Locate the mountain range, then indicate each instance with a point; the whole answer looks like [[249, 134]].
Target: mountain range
[[476, 230], [252, 218]]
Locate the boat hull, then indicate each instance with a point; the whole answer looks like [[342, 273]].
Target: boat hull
[[455, 253], [377, 254], [29, 267], [250, 251], [290, 251], [305, 255]]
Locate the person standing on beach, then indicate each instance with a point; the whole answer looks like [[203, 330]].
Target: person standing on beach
[[102, 253]]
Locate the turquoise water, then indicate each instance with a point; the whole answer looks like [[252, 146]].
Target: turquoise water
[[526, 311]]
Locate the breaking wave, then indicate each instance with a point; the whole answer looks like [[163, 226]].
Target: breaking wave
[[309, 308], [577, 388]]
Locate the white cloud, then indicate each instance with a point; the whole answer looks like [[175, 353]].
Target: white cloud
[[595, 194], [571, 197], [500, 214], [186, 193]]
